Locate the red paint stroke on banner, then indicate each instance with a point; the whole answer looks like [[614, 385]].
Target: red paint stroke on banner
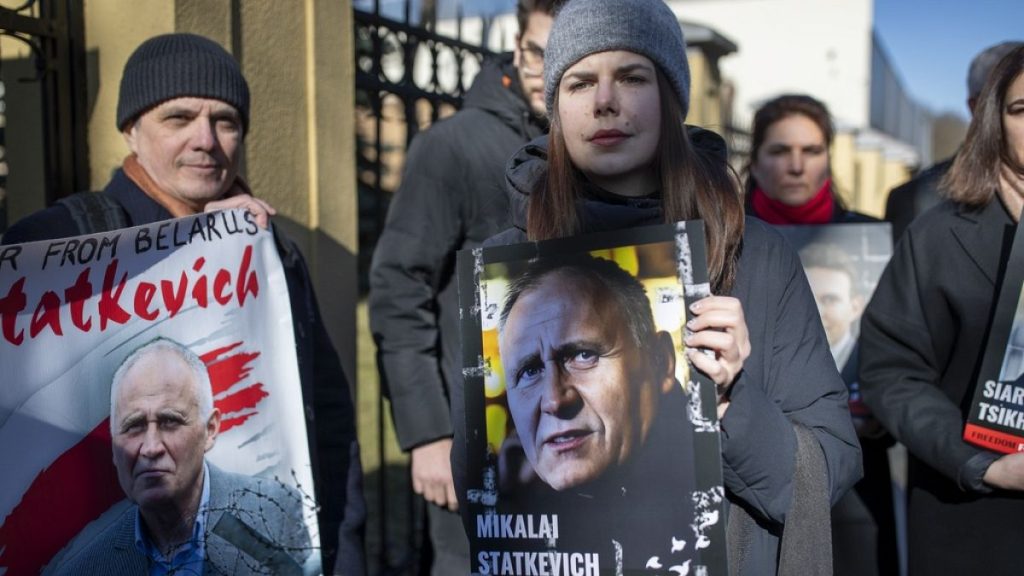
[[226, 370], [230, 370], [70, 493], [243, 399], [229, 423], [81, 484]]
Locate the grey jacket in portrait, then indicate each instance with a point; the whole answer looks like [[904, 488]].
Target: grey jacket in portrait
[[255, 526]]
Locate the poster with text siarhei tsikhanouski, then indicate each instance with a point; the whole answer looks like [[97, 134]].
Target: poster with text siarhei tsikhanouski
[[996, 417], [146, 369], [592, 445]]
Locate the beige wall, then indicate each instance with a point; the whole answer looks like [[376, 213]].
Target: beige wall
[[865, 175], [300, 150], [705, 106], [894, 173], [844, 165], [870, 181], [113, 28]]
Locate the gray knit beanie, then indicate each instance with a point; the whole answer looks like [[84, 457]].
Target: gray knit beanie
[[176, 65], [646, 27]]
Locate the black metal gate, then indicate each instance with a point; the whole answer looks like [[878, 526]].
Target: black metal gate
[[45, 50], [407, 76]]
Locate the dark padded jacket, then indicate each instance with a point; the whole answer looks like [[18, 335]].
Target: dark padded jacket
[[789, 377], [325, 390], [452, 197]]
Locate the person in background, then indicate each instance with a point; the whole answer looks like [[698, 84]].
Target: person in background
[[617, 87], [789, 175], [183, 109], [923, 336], [836, 289], [911, 199], [864, 536], [451, 198], [789, 181]]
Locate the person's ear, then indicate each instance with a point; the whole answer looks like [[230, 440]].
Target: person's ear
[[130, 134], [857, 303], [665, 354], [212, 429], [755, 171]]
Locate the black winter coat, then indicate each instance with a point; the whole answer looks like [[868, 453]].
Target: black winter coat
[[913, 198], [325, 390], [922, 341], [789, 377], [452, 197]]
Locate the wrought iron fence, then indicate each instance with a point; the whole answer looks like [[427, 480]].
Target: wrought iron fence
[[407, 76], [46, 47]]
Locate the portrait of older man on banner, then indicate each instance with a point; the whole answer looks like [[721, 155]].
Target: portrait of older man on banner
[[187, 515], [156, 419]]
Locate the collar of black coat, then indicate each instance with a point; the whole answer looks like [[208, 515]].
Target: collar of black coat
[[141, 208], [497, 91], [980, 230]]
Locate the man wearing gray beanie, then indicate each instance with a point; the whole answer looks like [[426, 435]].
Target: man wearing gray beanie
[[183, 109], [909, 200]]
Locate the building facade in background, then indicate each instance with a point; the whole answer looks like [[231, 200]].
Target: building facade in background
[[827, 49]]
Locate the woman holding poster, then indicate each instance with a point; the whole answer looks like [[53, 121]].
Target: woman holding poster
[[618, 156], [789, 182], [923, 336]]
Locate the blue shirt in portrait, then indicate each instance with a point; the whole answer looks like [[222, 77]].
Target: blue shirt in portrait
[[186, 558]]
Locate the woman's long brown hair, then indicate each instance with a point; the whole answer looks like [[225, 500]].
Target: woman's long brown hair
[[694, 185], [974, 177]]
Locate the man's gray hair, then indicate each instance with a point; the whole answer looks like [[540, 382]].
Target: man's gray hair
[[983, 64], [201, 378], [590, 275]]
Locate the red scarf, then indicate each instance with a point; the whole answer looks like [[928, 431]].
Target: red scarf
[[817, 210]]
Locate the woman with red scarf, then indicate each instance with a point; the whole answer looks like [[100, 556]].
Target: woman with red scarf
[[789, 182], [789, 177]]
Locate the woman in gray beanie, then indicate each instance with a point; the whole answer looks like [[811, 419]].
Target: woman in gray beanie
[[619, 156]]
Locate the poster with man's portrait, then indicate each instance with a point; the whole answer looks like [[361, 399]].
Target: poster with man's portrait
[[843, 263], [592, 445], [996, 417], [144, 370]]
